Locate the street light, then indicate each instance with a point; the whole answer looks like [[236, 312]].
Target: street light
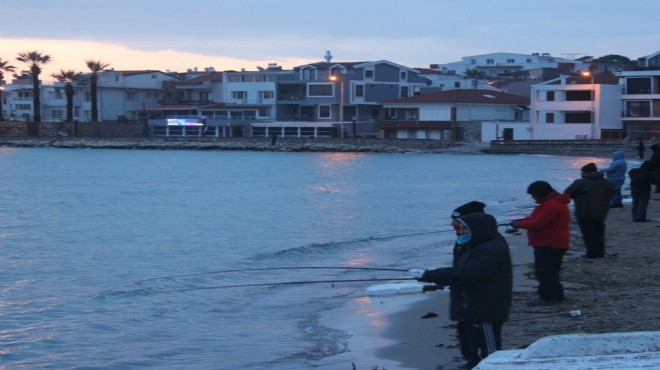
[[593, 99], [334, 78]]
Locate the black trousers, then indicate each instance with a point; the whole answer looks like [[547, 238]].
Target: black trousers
[[640, 202], [593, 235], [478, 340], [547, 264]]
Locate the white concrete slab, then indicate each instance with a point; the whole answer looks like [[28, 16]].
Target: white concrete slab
[[630, 350]]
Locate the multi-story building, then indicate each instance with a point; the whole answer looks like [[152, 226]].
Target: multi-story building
[[576, 107], [640, 102], [453, 114], [506, 63]]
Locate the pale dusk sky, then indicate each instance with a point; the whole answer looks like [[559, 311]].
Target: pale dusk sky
[[230, 35]]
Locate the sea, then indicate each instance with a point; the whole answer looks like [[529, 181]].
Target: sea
[[129, 259]]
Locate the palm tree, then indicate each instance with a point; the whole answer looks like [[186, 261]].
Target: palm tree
[[4, 67], [475, 75], [68, 78], [95, 66], [35, 59]]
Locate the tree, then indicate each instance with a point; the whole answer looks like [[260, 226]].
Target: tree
[[35, 59], [4, 67], [68, 78], [475, 75], [95, 66]]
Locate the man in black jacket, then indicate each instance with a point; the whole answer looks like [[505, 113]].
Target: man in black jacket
[[591, 194], [655, 165], [481, 281]]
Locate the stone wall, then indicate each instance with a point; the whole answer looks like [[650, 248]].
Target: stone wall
[[80, 129]]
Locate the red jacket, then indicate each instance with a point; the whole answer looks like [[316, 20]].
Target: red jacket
[[547, 226]]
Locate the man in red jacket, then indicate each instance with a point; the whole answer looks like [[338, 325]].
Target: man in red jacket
[[547, 232]]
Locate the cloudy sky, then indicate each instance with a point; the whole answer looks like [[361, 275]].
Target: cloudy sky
[[177, 35]]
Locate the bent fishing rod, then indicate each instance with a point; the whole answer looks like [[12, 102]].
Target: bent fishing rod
[[280, 283]]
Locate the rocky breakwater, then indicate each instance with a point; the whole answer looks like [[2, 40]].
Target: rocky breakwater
[[251, 144]]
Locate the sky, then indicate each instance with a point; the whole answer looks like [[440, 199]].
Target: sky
[[171, 35]]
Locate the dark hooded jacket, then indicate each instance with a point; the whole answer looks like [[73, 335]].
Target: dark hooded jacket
[[655, 157], [641, 179], [481, 276], [591, 194]]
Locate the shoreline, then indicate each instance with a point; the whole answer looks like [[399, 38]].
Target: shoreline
[[618, 293], [315, 145]]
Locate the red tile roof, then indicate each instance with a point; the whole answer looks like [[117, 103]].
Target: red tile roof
[[464, 96]]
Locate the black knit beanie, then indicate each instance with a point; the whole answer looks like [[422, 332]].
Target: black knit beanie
[[469, 207], [539, 189]]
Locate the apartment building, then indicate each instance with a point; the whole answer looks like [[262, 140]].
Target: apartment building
[[576, 107], [494, 64], [640, 103]]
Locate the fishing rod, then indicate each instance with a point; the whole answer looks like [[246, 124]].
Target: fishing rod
[[273, 268], [280, 283]]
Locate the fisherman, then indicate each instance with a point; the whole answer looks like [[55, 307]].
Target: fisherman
[[547, 233], [616, 173], [591, 195], [641, 149], [481, 283]]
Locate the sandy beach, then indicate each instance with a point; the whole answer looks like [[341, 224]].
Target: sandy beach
[[618, 293]]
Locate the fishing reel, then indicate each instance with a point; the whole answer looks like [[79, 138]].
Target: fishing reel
[[511, 230]]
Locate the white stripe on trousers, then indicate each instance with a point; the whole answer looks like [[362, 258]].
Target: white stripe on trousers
[[489, 337]]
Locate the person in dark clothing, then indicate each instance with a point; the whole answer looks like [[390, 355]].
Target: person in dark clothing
[[640, 190], [481, 282], [591, 195], [655, 165], [641, 149], [616, 173], [547, 233]]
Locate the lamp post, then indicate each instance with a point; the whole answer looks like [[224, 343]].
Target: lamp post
[[593, 99], [341, 102]]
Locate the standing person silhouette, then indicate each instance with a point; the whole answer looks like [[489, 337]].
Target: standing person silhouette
[[616, 173], [641, 179], [591, 195], [641, 149]]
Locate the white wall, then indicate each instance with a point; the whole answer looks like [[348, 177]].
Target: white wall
[[434, 113], [495, 130], [611, 106], [561, 131]]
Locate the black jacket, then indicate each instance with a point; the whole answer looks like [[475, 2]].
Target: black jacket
[[591, 194], [641, 179], [655, 157], [481, 278]]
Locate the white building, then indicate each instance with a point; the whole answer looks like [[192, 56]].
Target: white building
[[641, 100], [504, 63], [569, 108]]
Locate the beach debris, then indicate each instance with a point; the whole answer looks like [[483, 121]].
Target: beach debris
[[429, 315]]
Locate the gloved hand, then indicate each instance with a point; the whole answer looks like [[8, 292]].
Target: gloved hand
[[416, 273], [514, 223]]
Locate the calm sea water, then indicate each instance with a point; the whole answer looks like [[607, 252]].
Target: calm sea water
[[115, 259]]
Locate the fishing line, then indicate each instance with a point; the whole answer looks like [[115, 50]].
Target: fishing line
[[276, 284], [272, 268]]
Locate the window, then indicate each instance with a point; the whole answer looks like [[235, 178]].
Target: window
[[529, 60], [324, 111], [23, 107], [473, 61], [550, 95], [241, 95], [549, 118], [457, 84], [131, 96], [404, 75], [318, 90], [58, 114], [490, 61], [404, 92], [638, 85], [511, 61], [359, 91], [578, 95], [639, 109], [368, 73], [577, 117], [266, 94]]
